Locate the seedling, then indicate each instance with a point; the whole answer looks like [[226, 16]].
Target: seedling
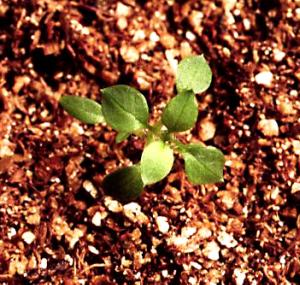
[[125, 109]]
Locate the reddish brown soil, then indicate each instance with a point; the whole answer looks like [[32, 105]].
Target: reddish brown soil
[[57, 227]]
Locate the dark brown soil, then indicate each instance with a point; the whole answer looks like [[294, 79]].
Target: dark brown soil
[[57, 227]]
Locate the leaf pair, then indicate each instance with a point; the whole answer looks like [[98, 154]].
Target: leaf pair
[[128, 183], [193, 76], [203, 165], [124, 108]]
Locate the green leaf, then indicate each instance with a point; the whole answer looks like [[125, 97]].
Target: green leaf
[[203, 165], [124, 108], [193, 74], [157, 161], [125, 184], [122, 136], [83, 109], [181, 112]]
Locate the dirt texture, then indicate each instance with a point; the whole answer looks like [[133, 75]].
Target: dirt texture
[[57, 226]]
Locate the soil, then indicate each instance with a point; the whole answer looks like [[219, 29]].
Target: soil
[[57, 226]]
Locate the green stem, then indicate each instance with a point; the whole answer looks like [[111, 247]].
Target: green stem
[[141, 133], [156, 128], [179, 146], [154, 131]]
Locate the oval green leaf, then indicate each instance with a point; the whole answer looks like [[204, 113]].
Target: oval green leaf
[[203, 165], [125, 184], [83, 109], [156, 163], [193, 74], [181, 112], [124, 108]]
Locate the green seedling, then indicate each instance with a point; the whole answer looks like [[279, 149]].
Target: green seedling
[[125, 109]]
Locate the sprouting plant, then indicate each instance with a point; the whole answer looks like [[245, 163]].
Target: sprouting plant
[[125, 109]]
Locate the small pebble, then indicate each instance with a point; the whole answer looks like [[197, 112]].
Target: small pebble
[[73, 236], [185, 49], [204, 233], [33, 219], [247, 24], [227, 240], [142, 80], [295, 187], [139, 35], [93, 250], [278, 55], [113, 205], [178, 241], [286, 107], [132, 208], [190, 36], [207, 129], [162, 223], [69, 259], [96, 220], [17, 264], [196, 265], [154, 37], [296, 147], [130, 54], [188, 231], [229, 18], [173, 62], [212, 250], [28, 237], [268, 127], [122, 23], [122, 10], [44, 263], [11, 232], [239, 276], [133, 212], [90, 188], [274, 193], [168, 41], [192, 280], [195, 18], [264, 78], [229, 4]]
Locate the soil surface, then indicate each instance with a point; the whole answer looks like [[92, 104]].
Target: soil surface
[[57, 226]]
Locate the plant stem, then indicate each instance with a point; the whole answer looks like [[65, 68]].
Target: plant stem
[[156, 128], [141, 133], [179, 146]]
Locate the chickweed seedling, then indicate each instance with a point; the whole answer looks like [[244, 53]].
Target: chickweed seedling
[[125, 109]]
